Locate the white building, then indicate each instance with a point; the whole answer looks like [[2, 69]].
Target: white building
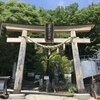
[[90, 65]]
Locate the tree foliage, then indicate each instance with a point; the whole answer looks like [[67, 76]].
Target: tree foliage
[[22, 13]]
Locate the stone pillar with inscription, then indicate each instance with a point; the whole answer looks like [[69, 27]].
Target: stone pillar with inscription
[[14, 71], [56, 74], [13, 74]]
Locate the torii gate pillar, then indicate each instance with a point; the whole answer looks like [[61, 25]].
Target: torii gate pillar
[[77, 66], [20, 64]]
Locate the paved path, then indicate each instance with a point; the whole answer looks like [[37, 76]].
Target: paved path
[[35, 95], [49, 97], [45, 97]]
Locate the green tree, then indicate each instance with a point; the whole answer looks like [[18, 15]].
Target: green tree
[[90, 15], [65, 65], [19, 13]]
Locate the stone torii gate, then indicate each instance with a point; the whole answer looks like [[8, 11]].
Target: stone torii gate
[[32, 28]]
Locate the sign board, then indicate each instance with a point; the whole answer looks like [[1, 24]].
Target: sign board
[[46, 77], [1, 84], [67, 75], [37, 76], [49, 32], [30, 74]]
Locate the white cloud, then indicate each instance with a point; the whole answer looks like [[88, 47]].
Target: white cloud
[[61, 3]]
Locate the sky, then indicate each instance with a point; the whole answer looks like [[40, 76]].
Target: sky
[[52, 4]]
